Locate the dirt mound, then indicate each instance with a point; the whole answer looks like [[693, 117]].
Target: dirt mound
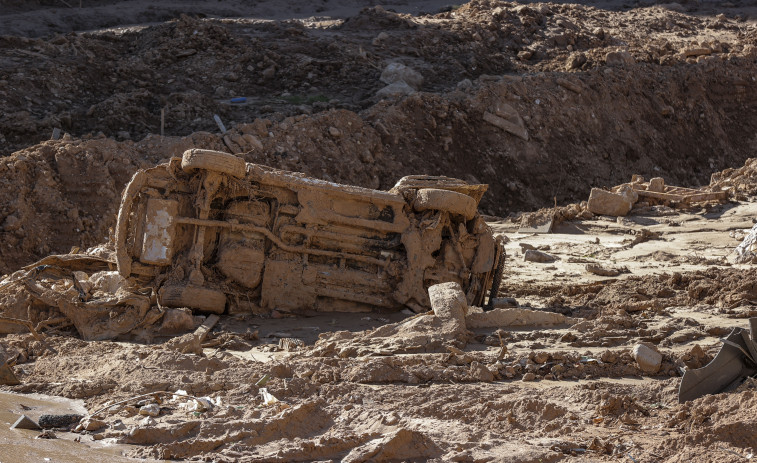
[[393, 140]]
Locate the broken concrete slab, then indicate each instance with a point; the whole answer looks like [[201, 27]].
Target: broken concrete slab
[[24, 422], [533, 255], [598, 269], [602, 202]]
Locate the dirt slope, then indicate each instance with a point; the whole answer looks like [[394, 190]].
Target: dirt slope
[[584, 114]]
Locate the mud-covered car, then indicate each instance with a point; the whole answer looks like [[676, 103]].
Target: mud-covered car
[[209, 231]]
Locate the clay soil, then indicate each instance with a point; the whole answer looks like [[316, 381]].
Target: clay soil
[[595, 92]]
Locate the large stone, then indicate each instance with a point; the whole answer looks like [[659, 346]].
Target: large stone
[[397, 72], [448, 301], [177, 321], [647, 358], [656, 184], [619, 58], [603, 202], [532, 255]]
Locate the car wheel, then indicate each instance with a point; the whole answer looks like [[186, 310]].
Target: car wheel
[[445, 200], [214, 161]]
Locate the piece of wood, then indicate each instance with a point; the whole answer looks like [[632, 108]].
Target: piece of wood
[[680, 194], [202, 331]]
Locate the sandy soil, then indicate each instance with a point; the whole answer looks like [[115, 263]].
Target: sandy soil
[[362, 388], [589, 94]]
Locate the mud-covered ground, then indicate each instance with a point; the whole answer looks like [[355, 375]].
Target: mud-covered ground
[[584, 112], [589, 95]]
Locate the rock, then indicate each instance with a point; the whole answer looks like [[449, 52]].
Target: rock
[[334, 132], [398, 72], [269, 72], [93, 424], [150, 410], [597, 269], [603, 202], [504, 302], [510, 127], [525, 55], [382, 36], [532, 255], [448, 301], [504, 317], [185, 53], [529, 376], [647, 358], [480, 372], [619, 58], [400, 445], [253, 141], [24, 422], [396, 89], [656, 184], [694, 52], [464, 85], [107, 281], [569, 85], [176, 321]]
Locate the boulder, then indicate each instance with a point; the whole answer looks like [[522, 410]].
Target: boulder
[[448, 301], [619, 58], [602, 202], [647, 358], [532, 255], [397, 72]]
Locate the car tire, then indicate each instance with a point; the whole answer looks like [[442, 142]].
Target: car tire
[[215, 161], [445, 200]]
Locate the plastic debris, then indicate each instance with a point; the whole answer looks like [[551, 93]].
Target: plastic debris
[[268, 398], [222, 127]]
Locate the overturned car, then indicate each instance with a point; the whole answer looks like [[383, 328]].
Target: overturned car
[[213, 233]]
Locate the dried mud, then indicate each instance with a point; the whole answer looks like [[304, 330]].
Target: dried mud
[[542, 101]]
